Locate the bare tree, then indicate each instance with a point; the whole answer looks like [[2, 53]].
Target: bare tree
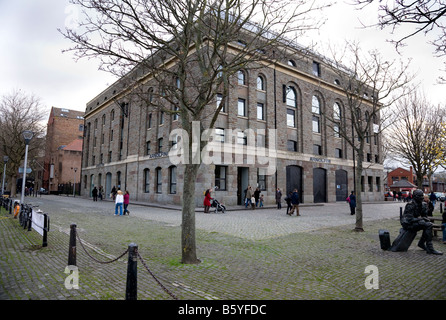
[[416, 134], [19, 112], [426, 16], [190, 50], [371, 85]]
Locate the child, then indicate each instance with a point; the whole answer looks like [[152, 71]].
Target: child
[[261, 201]]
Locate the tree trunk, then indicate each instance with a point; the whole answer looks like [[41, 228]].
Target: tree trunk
[[188, 246], [358, 173], [13, 185]]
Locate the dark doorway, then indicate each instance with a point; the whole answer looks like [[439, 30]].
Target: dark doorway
[[242, 183], [294, 181], [319, 185], [341, 185]]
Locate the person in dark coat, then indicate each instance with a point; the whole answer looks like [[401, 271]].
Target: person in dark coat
[[279, 198], [352, 203], [288, 202], [94, 193], [295, 203]]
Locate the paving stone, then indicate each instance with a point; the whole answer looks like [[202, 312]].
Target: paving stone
[[245, 254]]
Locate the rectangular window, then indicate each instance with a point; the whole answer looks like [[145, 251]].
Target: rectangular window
[[220, 177], [147, 148], [219, 99], [160, 145], [219, 135], [261, 179], [176, 115], [290, 118], [291, 145], [161, 119], [378, 184], [370, 181], [317, 149], [149, 121], [316, 126], [316, 69], [336, 130], [174, 142], [241, 110], [242, 138], [260, 111], [338, 153]]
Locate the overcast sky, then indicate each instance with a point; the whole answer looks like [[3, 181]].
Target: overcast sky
[[31, 59]]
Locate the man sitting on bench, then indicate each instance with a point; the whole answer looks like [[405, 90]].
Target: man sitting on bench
[[415, 219]]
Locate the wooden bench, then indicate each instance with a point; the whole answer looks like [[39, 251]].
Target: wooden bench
[[436, 227]]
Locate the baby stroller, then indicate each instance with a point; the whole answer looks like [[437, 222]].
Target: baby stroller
[[218, 206]]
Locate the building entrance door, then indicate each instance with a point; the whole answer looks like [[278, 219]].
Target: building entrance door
[[242, 184], [319, 185], [341, 185], [294, 181], [108, 182]]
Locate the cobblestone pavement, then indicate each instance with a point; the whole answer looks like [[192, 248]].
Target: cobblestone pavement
[[245, 254]]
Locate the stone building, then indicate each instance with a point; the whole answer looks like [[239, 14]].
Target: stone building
[[127, 145], [63, 150]]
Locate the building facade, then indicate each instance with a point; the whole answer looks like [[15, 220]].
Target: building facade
[[63, 150], [126, 145]]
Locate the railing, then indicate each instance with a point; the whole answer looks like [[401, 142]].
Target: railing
[[133, 256]]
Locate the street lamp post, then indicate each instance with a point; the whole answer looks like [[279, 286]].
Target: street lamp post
[[5, 160], [27, 135]]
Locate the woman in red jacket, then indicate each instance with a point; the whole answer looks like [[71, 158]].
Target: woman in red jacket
[[207, 201]]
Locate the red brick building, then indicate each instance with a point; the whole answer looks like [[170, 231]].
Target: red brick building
[[63, 151], [400, 174]]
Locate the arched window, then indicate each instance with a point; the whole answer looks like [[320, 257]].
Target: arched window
[[291, 97], [146, 186], [241, 77], [260, 83], [337, 114], [315, 105], [159, 180], [172, 179]]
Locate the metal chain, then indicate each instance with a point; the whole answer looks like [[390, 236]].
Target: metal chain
[[140, 258], [153, 276], [103, 262]]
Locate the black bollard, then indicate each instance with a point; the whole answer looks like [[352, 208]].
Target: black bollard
[[132, 283], [72, 249], [46, 228]]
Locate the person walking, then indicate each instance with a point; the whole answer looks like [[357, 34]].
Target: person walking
[[288, 202], [126, 202], [113, 193], [207, 200], [94, 193], [279, 198], [248, 196], [100, 192], [295, 203], [119, 200], [257, 196], [433, 198], [352, 203]]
